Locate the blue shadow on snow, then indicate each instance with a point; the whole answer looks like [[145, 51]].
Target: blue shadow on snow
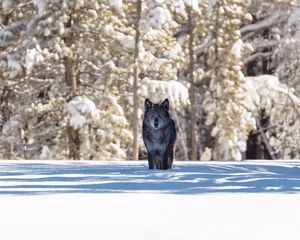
[[185, 178]]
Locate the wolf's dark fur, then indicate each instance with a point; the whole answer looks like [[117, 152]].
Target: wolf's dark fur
[[159, 135]]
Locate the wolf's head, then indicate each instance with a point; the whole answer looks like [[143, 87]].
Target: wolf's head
[[156, 115]]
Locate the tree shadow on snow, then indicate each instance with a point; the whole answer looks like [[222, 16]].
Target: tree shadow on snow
[[134, 177]]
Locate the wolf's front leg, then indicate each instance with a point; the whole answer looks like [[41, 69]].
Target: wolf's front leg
[[158, 161], [165, 164], [150, 160], [171, 156]]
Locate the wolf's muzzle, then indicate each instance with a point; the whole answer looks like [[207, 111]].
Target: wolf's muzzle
[[156, 122]]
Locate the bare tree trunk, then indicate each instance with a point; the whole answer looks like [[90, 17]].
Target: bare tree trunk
[[192, 89], [135, 123], [74, 143], [265, 139], [71, 70], [217, 150], [71, 79], [217, 155], [181, 134], [6, 110]]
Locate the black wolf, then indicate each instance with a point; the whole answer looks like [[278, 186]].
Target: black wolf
[[159, 134]]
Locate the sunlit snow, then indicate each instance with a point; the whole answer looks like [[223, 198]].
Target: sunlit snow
[[81, 109], [124, 200]]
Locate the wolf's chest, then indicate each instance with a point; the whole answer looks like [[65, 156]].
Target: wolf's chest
[[156, 139], [158, 136]]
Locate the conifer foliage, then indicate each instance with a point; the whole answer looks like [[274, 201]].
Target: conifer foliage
[[224, 102], [74, 76]]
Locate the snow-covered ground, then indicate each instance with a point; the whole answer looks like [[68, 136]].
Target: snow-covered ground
[[124, 200]]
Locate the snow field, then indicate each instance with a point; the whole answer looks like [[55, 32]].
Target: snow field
[[150, 216], [115, 200]]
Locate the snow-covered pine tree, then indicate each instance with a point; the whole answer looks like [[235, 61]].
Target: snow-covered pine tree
[[178, 58], [92, 26], [285, 57], [273, 35], [225, 101], [156, 62], [40, 30], [197, 31], [277, 117], [17, 58], [266, 33], [135, 120]]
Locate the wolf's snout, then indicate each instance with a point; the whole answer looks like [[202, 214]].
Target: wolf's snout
[[156, 122]]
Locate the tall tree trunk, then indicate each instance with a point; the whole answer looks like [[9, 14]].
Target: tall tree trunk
[[74, 143], [6, 110], [71, 79], [192, 89], [217, 155], [135, 123], [181, 133]]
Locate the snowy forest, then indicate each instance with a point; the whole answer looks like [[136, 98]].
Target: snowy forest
[[75, 74]]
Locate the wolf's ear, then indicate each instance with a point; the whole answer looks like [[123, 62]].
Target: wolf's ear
[[165, 104], [147, 104]]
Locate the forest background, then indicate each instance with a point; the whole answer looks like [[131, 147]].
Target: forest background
[[74, 76]]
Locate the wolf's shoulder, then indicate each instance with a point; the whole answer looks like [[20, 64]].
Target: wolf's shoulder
[[171, 122]]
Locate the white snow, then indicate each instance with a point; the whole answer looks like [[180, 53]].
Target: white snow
[[294, 17], [41, 5], [269, 88], [13, 64], [127, 42], [10, 126], [32, 58], [45, 152], [7, 6], [174, 52], [117, 4], [236, 49], [159, 16], [79, 4], [251, 97], [157, 90], [124, 200], [265, 23], [282, 106], [81, 110], [207, 154], [194, 4], [179, 7], [4, 35]]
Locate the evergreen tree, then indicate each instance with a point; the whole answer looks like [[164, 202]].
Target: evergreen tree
[[225, 102]]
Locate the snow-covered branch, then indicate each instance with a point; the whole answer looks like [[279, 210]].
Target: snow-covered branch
[[275, 18], [255, 56]]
